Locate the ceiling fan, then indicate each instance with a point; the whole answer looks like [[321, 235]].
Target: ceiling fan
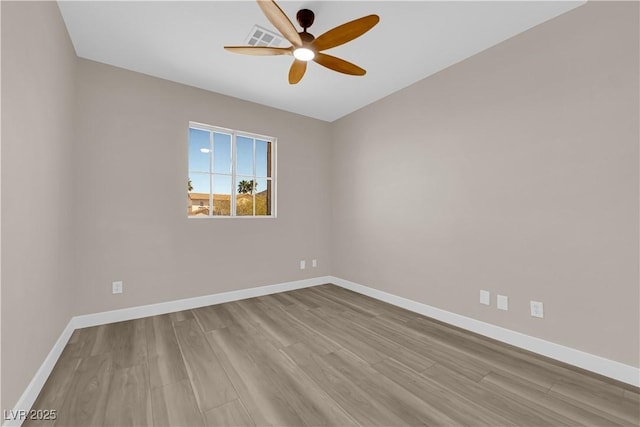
[[304, 46]]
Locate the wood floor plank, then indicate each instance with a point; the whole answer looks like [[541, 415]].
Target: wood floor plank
[[314, 340], [593, 385], [414, 360], [175, 405], [339, 335], [160, 337], [240, 370], [609, 405], [376, 306], [125, 341], [282, 298], [516, 387], [496, 361], [179, 316], [274, 390], [632, 395], [213, 317], [359, 404], [288, 331], [54, 390], [392, 397], [163, 371], [550, 368], [165, 362], [529, 401], [77, 350], [105, 339], [408, 337], [507, 407], [232, 414], [445, 403], [210, 383], [82, 343], [130, 344], [242, 316], [345, 302], [283, 327], [86, 399], [129, 400], [75, 336], [302, 300], [257, 312], [330, 303]]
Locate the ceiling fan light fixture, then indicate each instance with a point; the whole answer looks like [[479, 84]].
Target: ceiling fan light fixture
[[304, 54], [304, 45]]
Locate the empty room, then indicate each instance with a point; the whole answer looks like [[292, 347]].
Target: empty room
[[305, 213]]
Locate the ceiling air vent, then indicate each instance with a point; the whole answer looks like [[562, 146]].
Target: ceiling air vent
[[262, 37]]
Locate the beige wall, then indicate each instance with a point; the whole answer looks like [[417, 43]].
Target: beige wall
[[132, 175], [515, 171], [38, 79]]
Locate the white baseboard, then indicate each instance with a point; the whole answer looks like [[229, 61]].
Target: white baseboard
[[30, 394], [138, 312], [590, 362]]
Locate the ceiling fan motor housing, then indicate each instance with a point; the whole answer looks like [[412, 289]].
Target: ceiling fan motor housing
[[305, 18]]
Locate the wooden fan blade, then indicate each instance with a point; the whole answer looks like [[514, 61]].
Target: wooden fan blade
[[345, 32], [297, 70], [339, 65], [276, 16], [259, 50]]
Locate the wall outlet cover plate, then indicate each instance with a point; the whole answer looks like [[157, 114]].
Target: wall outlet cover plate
[[116, 287], [537, 309], [485, 297]]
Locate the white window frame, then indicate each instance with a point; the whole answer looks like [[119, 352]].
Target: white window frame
[[234, 134]]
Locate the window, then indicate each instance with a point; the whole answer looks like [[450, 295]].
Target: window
[[231, 173]]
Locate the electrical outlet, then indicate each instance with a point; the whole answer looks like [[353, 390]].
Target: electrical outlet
[[502, 302], [303, 264], [117, 287], [537, 309], [314, 263], [485, 297]]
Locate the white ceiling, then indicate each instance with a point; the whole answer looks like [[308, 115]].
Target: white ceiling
[[183, 41]]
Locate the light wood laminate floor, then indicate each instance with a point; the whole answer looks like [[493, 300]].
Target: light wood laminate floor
[[316, 356]]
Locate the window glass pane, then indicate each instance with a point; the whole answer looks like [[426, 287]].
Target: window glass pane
[[263, 197], [244, 205], [198, 197], [246, 185], [221, 153], [244, 195], [199, 150], [244, 156], [263, 158], [222, 195]]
